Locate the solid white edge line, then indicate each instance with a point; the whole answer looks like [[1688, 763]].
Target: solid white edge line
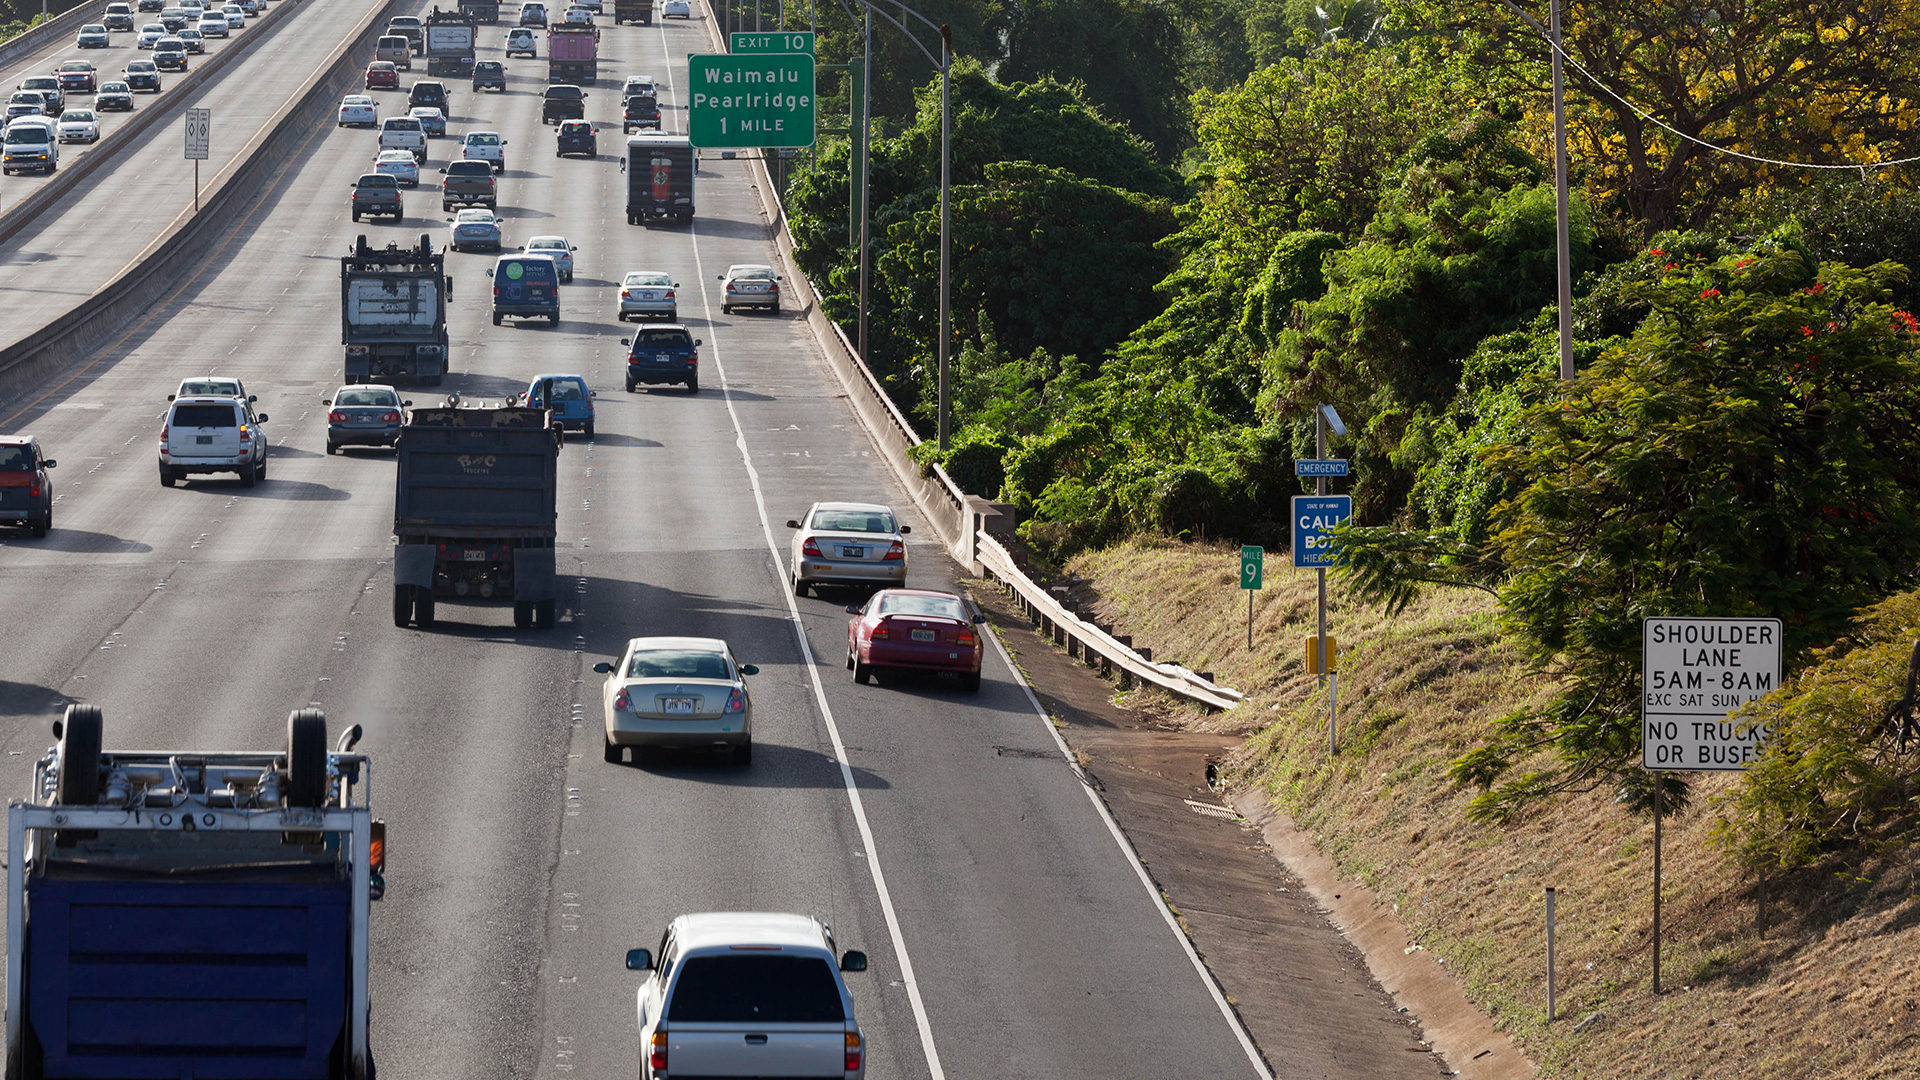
[[820, 694], [1133, 857]]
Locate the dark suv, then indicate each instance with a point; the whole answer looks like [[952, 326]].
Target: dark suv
[[430, 94], [26, 495], [563, 101], [642, 111], [489, 75], [377, 193], [576, 137], [118, 17], [663, 354]]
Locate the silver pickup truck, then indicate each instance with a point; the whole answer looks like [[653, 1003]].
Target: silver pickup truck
[[739, 994]]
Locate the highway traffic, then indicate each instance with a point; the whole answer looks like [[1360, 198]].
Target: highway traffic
[[938, 831]]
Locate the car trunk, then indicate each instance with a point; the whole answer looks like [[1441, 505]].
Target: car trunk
[[691, 700], [357, 416], [853, 547], [931, 632], [767, 1050], [751, 288]]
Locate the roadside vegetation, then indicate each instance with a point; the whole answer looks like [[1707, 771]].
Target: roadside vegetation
[[1165, 259]]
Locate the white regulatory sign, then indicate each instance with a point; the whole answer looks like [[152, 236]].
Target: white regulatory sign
[[199, 133], [1693, 672]]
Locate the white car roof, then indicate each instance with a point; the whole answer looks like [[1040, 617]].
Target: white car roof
[[356, 99], [865, 508], [397, 155], [740, 268], [722, 928], [548, 242]]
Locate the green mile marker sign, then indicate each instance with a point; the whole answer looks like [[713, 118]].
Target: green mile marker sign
[[751, 102], [783, 41], [1252, 567]]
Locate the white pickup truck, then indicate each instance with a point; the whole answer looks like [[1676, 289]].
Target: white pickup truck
[[404, 133], [739, 994]]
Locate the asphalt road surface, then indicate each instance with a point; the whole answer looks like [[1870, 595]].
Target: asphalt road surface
[[1009, 932]]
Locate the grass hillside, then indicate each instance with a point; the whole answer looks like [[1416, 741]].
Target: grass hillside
[[1819, 990]]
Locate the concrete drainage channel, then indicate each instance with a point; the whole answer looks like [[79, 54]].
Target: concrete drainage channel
[[67, 339]]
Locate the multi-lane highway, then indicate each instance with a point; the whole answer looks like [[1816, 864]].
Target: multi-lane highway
[[1010, 933]]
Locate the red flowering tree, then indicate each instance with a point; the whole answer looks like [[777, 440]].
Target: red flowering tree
[[1751, 450]]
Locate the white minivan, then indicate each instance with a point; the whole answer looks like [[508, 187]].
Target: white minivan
[[745, 993], [205, 433], [30, 143]]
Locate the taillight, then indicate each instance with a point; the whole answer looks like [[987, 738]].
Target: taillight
[[736, 702], [496, 291], [246, 436], [965, 637], [336, 417], [853, 1052], [33, 492], [897, 551], [880, 632], [810, 547], [164, 429], [657, 1061], [390, 416], [377, 847], [669, 294], [622, 702], [729, 286], [624, 294]]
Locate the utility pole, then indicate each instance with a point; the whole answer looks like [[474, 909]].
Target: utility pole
[[946, 232], [1563, 243]]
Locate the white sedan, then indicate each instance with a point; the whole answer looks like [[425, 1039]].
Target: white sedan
[[236, 16], [149, 34], [681, 692], [673, 9], [77, 125], [558, 248], [359, 109], [400, 165]]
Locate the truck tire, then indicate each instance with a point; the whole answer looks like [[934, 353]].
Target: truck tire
[[356, 215], [588, 430], [306, 758], [80, 735], [523, 614], [496, 318], [402, 605], [167, 477], [423, 606], [543, 614]]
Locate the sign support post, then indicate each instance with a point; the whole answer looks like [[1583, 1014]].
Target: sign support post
[[1333, 683], [1550, 971], [1314, 516], [199, 135], [1657, 785]]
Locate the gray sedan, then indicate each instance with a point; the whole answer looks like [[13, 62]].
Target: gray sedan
[[648, 293], [364, 415], [847, 543]]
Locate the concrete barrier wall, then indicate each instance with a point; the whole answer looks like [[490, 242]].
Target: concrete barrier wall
[[66, 345], [64, 25]]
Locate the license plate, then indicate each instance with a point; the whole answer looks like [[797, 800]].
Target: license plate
[[924, 635], [471, 555], [203, 440], [853, 553], [646, 296], [679, 705]]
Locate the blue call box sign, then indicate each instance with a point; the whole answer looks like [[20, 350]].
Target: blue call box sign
[[1314, 519], [1321, 467]]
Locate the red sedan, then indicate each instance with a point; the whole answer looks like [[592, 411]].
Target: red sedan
[[383, 75], [915, 629]]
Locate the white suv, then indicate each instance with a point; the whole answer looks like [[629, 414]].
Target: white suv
[[744, 993], [204, 433]]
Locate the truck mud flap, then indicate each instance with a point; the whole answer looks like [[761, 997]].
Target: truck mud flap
[[533, 573], [413, 564]]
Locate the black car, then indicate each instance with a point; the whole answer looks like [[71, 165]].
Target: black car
[[642, 111], [142, 75], [174, 21], [170, 55], [118, 17], [576, 137], [429, 93], [489, 75], [563, 102], [153, 5], [26, 493], [114, 97], [663, 354]]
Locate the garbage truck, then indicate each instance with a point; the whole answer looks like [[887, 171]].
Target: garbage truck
[[192, 913], [474, 513], [451, 40], [393, 312]]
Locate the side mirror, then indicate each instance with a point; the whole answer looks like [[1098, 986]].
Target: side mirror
[[697, 341], [443, 169], [626, 341], [50, 463], [489, 272], [169, 397], [676, 284], [253, 397], [262, 418], [853, 609], [978, 619], [593, 393], [853, 960], [603, 668], [639, 960], [745, 669], [719, 277], [793, 523], [905, 529], [325, 403], [406, 404]]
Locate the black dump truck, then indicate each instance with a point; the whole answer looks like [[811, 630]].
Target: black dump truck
[[474, 512], [660, 174], [486, 11], [452, 37], [393, 313]]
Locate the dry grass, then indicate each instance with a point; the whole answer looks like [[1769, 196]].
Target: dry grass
[[1822, 993]]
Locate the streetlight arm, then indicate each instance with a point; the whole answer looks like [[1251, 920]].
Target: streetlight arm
[[902, 27]]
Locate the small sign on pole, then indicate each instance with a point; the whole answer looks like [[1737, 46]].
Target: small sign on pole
[[1321, 467], [199, 139], [1252, 574]]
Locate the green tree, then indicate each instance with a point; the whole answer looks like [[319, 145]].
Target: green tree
[[1125, 53]]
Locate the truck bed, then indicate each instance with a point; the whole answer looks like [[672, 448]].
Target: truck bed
[[496, 478]]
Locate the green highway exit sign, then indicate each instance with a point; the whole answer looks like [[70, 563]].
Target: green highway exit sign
[[784, 41], [753, 101]]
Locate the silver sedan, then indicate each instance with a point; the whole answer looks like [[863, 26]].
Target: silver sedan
[[366, 415], [684, 692], [648, 293], [848, 543]]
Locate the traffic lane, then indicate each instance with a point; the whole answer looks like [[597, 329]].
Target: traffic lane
[[111, 216]]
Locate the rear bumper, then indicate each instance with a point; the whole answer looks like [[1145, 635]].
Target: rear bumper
[[864, 573], [626, 729], [647, 307], [933, 657], [658, 376], [205, 464], [363, 436], [528, 310]]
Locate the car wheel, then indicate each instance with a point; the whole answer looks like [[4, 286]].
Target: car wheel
[[743, 754], [630, 386], [37, 527], [167, 477], [423, 606], [970, 682], [849, 656], [402, 605], [356, 215], [800, 586], [260, 470], [861, 672], [496, 318], [725, 309], [693, 385], [553, 319], [588, 430], [247, 476], [610, 753]]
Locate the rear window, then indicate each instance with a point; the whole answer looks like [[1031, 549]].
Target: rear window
[[469, 168], [852, 521], [199, 416], [401, 123], [945, 607], [378, 180], [483, 140], [366, 397], [563, 91], [663, 339], [755, 989], [15, 459], [537, 270]]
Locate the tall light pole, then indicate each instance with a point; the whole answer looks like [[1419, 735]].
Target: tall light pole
[[943, 64], [1563, 244]]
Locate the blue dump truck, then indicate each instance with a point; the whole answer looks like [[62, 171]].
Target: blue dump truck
[[474, 512], [191, 916]]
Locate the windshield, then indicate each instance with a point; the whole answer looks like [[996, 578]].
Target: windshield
[[20, 134], [366, 397], [764, 989], [945, 607], [141, 67], [861, 521], [563, 91], [676, 663], [78, 65], [662, 339], [114, 88], [201, 416], [15, 459]]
